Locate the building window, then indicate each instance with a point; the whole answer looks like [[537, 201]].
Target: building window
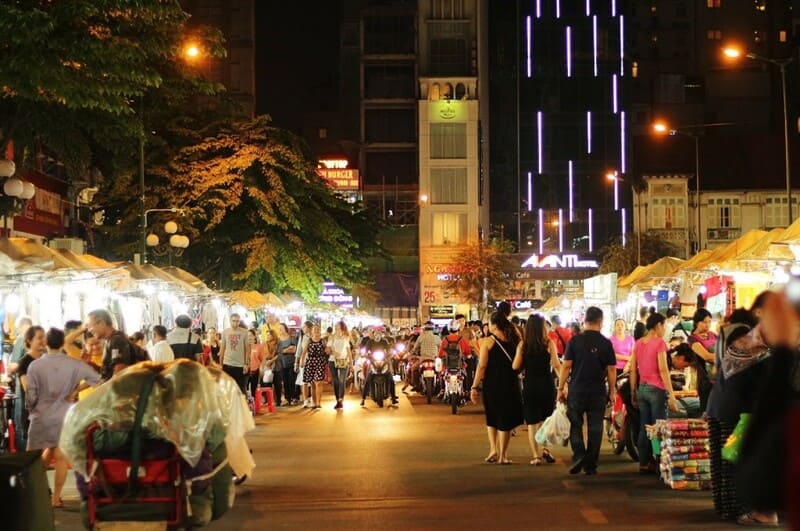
[[635, 69], [782, 36], [448, 141], [447, 9], [714, 4], [448, 186], [668, 213], [449, 228], [714, 35], [724, 213], [775, 214], [449, 54]]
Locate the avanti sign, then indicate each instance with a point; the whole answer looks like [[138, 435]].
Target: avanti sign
[[554, 261]]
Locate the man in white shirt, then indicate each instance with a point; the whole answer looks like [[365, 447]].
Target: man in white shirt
[[161, 352]]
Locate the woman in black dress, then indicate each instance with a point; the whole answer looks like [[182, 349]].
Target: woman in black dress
[[502, 401], [313, 361], [538, 356]]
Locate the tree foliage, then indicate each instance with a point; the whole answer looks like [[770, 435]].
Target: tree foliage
[[614, 258], [482, 265]]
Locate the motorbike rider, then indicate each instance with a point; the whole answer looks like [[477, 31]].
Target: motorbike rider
[[378, 342], [426, 347], [455, 336]]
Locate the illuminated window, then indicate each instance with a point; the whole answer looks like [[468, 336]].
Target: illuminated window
[[782, 36], [635, 69], [668, 213], [714, 4], [449, 228], [448, 141], [724, 213], [448, 186], [714, 35]]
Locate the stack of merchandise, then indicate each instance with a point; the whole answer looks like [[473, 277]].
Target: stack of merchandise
[[685, 459]]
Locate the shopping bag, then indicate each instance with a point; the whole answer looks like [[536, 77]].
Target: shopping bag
[[730, 452], [555, 429], [299, 379], [268, 377]]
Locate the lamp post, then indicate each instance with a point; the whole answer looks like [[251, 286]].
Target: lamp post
[[146, 238], [734, 53], [176, 243], [16, 190]]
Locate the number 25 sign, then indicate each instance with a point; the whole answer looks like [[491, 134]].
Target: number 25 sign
[[429, 297]]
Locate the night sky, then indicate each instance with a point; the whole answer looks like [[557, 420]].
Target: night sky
[[297, 59]]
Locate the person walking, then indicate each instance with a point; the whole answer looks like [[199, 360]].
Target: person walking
[[284, 366], [34, 344], [54, 381], [313, 360], [340, 359], [299, 368], [234, 353], [623, 344], [559, 334], [185, 343], [502, 400], [257, 356], [588, 362], [537, 355], [161, 351], [651, 386]]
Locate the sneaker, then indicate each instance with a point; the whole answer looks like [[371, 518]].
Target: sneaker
[[362, 403], [306, 403], [394, 401]]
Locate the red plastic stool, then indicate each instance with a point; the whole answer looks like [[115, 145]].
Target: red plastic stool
[[260, 392]]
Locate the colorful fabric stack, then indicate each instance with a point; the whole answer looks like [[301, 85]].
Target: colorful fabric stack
[[685, 458]]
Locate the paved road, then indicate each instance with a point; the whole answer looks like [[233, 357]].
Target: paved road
[[419, 467]]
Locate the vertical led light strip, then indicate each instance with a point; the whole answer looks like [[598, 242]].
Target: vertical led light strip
[[560, 230], [621, 46], [569, 51], [588, 131], [530, 192], [588, 7], [591, 233], [538, 8], [541, 231], [558, 8], [539, 140], [616, 193], [622, 141], [594, 43], [571, 194], [614, 96], [528, 44], [624, 229], [613, 8]]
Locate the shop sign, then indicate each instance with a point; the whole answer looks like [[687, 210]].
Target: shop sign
[[332, 294], [446, 310], [522, 304], [338, 175], [447, 111], [554, 261]]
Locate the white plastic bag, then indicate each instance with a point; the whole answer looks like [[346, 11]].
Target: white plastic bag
[[268, 377], [299, 379], [555, 429]]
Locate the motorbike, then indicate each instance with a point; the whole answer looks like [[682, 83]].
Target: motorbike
[[622, 427], [380, 376], [429, 378], [454, 376], [399, 358], [359, 368]]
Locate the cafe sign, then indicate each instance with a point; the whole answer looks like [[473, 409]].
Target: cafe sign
[[444, 310], [554, 261]]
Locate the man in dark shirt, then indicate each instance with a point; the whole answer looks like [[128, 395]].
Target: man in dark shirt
[[185, 343], [118, 352], [588, 361]]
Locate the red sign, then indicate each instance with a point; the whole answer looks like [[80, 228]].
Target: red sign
[[341, 178], [43, 214]]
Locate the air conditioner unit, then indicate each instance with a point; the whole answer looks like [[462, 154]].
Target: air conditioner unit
[[74, 245]]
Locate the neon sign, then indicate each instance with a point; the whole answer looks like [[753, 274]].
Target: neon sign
[[332, 294], [553, 261]]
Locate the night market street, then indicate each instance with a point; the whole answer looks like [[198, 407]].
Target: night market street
[[419, 467]]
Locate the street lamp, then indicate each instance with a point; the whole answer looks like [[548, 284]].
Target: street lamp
[[17, 192], [149, 240], [176, 243], [734, 53]]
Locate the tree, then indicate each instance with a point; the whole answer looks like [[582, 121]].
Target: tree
[[260, 215], [614, 258], [482, 271]]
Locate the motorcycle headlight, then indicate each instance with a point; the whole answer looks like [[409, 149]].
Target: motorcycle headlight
[[401, 347], [378, 355]]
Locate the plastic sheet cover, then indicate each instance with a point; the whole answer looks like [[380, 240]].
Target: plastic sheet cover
[[189, 405]]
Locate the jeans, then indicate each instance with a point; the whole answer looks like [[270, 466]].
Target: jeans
[[339, 377], [594, 407], [238, 374], [652, 407]]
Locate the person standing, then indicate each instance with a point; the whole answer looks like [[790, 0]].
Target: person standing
[[651, 386], [588, 362], [299, 368], [211, 346], [185, 343], [703, 340], [161, 350], [639, 327], [257, 356], [284, 366], [559, 335], [502, 401], [341, 358], [54, 381], [19, 349], [34, 343], [313, 360], [623, 344], [118, 353], [538, 357], [234, 352]]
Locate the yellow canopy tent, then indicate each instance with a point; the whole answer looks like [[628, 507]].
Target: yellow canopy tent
[[248, 299], [628, 279], [726, 252], [188, 278], [663, 268], [764, 249], [274, 301]]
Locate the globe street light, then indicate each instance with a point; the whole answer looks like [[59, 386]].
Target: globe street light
[[734, 53], [176, 243], [16, 190]]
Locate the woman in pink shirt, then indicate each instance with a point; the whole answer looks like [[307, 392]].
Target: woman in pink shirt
[[650, 385], [623, 344], [257, 355]]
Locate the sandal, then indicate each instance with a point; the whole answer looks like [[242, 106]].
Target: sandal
[[58, 504], [749, 519], [491, 459], [548, 457], [536, 461], [506, 462]]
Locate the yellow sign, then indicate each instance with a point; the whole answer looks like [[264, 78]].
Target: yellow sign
[[447, 111]]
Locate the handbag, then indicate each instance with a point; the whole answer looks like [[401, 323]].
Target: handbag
[[268, 377], [340, 363], [730, 452]]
